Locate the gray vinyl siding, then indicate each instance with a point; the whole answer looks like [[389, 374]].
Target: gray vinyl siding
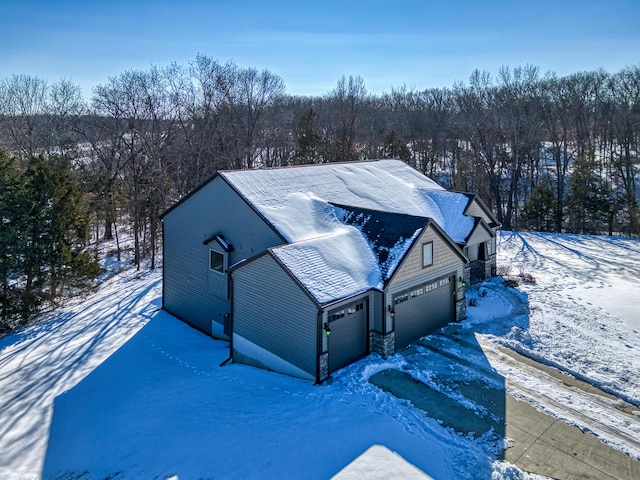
[[218, 284], [475, 210], [472, 252], [480, 234], [191, 292], [271, 311], [444, 256], [377, 311], [446, 262]]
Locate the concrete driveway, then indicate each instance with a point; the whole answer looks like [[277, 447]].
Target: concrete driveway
[[538, 443]]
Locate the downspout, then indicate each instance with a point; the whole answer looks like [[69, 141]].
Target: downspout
[[230, 321], [319, 342], [163, 257]]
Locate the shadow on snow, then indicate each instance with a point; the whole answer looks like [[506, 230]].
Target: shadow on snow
[[448, 376], [44, 359]]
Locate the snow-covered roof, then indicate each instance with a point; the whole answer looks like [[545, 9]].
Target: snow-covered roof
[[361, 251], [389, 235], [384, 185], [333, 266], [349, 225], [452, 206]]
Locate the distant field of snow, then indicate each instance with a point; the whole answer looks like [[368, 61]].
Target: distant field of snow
[[111, 386]]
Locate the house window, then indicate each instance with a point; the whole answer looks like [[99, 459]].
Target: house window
[[417, 292], [355, 308], [427, 254], [216, 261], [336, 316], [401, 299]]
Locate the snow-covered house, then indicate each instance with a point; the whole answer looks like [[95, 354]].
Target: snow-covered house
[[306, 269]]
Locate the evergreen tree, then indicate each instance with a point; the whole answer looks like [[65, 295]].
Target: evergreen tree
[[307, 138], [13, 220], [590, 200], [540, 208], [59, 226], [45, 227]]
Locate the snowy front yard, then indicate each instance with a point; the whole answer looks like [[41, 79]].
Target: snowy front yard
[[112, 387]]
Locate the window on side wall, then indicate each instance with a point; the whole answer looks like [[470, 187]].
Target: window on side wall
[[216, 261], [427, 254]]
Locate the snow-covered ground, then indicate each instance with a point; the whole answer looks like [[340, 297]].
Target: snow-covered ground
[[584, 314], [112, 387]]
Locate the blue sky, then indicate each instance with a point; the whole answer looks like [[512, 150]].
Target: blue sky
[[390, 43]]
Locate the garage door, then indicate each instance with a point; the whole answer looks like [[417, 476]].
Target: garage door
[[349, 332], [423, 310]]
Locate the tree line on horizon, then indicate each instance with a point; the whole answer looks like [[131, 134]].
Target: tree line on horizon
[[544, 152]]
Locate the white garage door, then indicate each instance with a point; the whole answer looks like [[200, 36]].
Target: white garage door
[[423, 310]]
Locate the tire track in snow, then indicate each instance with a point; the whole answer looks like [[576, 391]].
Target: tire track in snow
[[607, 417]]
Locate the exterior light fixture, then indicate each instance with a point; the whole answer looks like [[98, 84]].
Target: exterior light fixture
[[327, 330]]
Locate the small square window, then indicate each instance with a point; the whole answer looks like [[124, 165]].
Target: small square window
[[427, 254], [216, 261]]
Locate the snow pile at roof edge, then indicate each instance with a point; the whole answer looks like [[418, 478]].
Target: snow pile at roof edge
[[333, 266], [385, 185], [302, 216], [452, 206]]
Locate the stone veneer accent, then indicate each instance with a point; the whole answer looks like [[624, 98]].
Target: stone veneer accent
[[481, 270], [323, 372], [467, 276], [382, 344], [461, 309]]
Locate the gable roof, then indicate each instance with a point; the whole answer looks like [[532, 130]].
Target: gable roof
[[389, 235], [362, 255], [475, 199], [289, 197], [331, 267], [348, 226], [481, 225]]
